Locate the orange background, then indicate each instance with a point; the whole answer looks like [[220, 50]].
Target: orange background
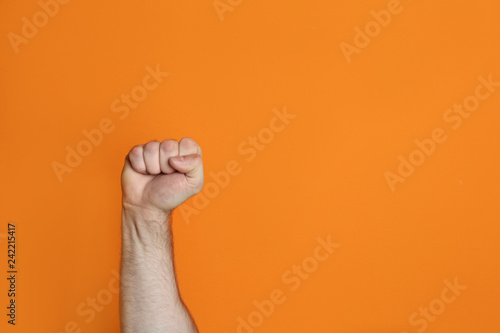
[[322, 175]]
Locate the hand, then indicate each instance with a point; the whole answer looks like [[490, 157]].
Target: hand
[[157, 177]]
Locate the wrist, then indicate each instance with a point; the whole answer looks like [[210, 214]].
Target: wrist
[[135, 212], [145, 226]]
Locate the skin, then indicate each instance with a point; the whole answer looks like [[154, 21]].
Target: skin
[[157, 177]]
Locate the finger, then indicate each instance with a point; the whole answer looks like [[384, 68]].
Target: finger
[[168, 148], [191, 166], [188, 146], [136, 159], [152, 157]]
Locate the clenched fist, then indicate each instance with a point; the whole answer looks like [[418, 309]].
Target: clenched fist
[[157, 177]]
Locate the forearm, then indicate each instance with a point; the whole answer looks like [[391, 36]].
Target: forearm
[[149, 297]]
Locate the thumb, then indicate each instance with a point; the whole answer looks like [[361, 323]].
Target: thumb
[[191, 166]]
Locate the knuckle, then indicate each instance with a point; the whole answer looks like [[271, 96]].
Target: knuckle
[[168, 145], [188, 142], [151, 146], [136, 150]]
